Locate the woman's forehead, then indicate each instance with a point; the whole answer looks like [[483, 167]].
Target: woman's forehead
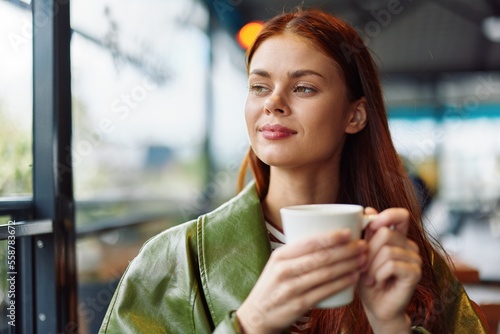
[[291, 51]]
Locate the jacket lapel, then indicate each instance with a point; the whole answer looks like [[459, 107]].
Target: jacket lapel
[[233, 249]]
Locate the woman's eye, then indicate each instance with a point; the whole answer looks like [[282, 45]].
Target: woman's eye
[[258, 89], [303, 89]]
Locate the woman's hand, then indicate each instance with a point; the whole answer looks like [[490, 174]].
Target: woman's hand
[[298, 276], [392, 273]]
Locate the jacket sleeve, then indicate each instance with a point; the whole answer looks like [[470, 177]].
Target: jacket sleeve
[[160, 292]]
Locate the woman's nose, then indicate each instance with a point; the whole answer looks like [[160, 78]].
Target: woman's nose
[[276, 104]]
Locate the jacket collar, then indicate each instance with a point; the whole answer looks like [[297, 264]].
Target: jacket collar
[[233, 249]]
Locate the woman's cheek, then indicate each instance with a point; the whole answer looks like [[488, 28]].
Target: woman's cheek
[[251, 118]]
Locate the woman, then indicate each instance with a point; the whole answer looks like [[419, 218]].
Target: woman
[[319, 134]]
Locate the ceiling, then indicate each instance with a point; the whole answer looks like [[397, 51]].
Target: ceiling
[[418, 37]]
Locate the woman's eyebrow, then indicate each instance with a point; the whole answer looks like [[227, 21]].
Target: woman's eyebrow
[[260, 72], [301, 73], [293, 74]]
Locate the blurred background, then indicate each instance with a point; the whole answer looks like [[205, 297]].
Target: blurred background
[[157, 97]]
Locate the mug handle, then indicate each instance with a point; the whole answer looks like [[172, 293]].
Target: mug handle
[[367, 219]]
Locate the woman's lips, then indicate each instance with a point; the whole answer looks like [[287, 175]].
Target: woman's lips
[[276, 131]]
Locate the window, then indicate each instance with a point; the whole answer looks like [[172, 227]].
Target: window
[[15, 100], [15, 141], [139, 101], [116, 132]]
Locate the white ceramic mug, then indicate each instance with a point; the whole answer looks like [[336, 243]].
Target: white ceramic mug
[[306, 220]]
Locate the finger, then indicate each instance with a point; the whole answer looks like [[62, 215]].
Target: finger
[[384, 236], [399, 218], [370, 211], [312, 244], [316, 279], [400, 271], [314, 296], [324, 257], [299, 303], [389, 253]]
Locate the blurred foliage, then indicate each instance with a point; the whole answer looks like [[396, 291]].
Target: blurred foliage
[[16, 157], [15, 177]]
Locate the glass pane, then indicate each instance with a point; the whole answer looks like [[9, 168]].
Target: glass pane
[[4, 220], [101, 262], [139, 76], [15, 99]]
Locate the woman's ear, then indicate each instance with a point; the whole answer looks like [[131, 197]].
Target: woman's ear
[[357, 116]]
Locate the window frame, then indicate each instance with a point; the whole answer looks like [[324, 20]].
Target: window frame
[[46, 295], [45, 271]]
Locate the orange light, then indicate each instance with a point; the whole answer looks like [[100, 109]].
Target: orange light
[[247, 34]]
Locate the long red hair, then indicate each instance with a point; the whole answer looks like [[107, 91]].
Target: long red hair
[[371, 172]]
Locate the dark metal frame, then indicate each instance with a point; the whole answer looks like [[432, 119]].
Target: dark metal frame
[[46, 286], [53, 254], [15, 206]]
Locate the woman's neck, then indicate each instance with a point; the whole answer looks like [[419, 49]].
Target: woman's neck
[[287, 188]]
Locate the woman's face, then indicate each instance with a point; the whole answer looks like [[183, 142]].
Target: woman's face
[[296, 110]]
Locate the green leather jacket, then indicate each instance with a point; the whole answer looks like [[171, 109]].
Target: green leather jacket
[[191, 277]]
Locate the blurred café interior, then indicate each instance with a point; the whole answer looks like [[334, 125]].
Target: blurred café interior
[[121, 118]]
